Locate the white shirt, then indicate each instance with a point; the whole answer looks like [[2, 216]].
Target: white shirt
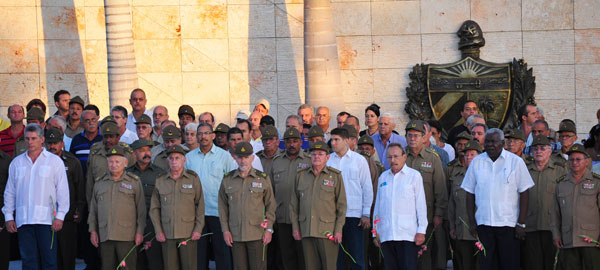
[[131, 120], [448, 148], [256, 145], [496, 186], [357, 182], [31, 188], [400, 206], [128, 137], [67, 142], [255, 163]]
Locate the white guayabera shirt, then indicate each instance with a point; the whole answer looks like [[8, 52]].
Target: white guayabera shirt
[[357, 182]]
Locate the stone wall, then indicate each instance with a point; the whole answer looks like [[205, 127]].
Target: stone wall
[[223, 55]]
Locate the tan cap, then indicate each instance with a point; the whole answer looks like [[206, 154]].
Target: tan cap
[[243, 149], [417, 125], [366, 139], [265, 103]]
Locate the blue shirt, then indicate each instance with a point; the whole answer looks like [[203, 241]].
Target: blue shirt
[[305, 144], [210, 168], [442, 153], [381, 151], [80, 147]]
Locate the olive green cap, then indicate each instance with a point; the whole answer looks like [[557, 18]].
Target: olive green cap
[[578, 148], [171, 132], [108, 119], [143, 119], [351, 130], [567, 125], [176, 149], [269, 132], [35, 113], [77, 100], [243, 149], [366, 139], [141, 143], [516, 134], [222, 128], [186, 109], [53, 135], [540, 140], [316, 131], [319, 145], [116, 150], [110, 128], [291, 132], [417, 125], [472, 145], [464, 135]]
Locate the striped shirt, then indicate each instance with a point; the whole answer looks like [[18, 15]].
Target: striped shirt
[[80, 147], [8, 140]]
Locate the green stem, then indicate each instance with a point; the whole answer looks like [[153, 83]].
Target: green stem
[[343, 249], [556, 258], [127, 255]]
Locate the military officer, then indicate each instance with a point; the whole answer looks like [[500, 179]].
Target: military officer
[[143, 127], [318, 209], [117, 212], [316, 133], [283, 175], [515, 141], [428, 163], [177, 212], [151, 258], [537, 250], [171, 136], [67, 237], [221, 136], [270, 141], [567, 136], [97, 161], [576, 213], [246, 210]]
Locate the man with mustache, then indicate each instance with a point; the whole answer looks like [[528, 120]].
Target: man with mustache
[[147, 172], [74, 127]]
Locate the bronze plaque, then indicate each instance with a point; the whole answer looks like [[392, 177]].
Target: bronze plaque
[[450, 85]]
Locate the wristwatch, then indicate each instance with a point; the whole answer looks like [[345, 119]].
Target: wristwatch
[[521, 225], [270, 230]]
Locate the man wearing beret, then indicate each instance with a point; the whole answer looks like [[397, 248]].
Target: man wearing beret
[[247, 210], [147, 172], [177, 212], [117, 212], [74, 127], [576, 213]]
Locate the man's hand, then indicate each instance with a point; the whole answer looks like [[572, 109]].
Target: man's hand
[[11, 226], [196, 236], [94, 238], [419, 239], [519, 233], [437, 221], [160, 237], [338, 237], [365, 222], [228, 238], [558, 243], [297, 235], [267, 237], [138, 239], [452, 234], [376, 242], [57, 225]]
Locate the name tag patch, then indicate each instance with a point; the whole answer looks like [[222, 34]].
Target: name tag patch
[[383, 184], [186, 186], [126, 186], [328, 183], [426, 164], [302, 165], [257, 184], [588, 185]]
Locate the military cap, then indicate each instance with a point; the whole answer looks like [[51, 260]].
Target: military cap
[[269, 132], [35, 114], [243, 149], [472, 145], [53, 135], [540, 140], [567, 125], [319, 145], [316, 131], [186, 109], [366, 139], [77, 100], [578, 148], [464, 135], [175, 149], [351, 130], [108, 119], [291, 132], [222, 128], [143, 119], [171, 132], [110, 128], [516, 134], [417, 125], [116, 150], [141, 143]]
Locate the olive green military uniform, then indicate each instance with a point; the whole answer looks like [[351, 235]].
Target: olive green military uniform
[[117, 213], [72, 131], [372, 256], [244, 203], [20, 146], [576, 212], [318, 205], [177, 210], [283, 176], [5, 160], [151, 258], [161, 160], [97, 165], [267, 162]]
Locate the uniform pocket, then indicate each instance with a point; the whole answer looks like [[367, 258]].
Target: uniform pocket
[[326, 193]]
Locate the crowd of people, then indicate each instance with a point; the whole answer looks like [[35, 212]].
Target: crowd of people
[[137, 190]]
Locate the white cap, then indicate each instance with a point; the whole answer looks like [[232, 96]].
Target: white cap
[[243, 114], [265, 103]]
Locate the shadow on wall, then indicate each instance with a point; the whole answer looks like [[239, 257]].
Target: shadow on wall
[[62, 59]]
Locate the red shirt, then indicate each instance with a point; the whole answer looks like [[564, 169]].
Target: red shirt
[[8, 140]]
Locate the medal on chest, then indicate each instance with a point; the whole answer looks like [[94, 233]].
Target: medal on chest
[[589, 185], [328, 183], [425, 164], [257, 185], [126, 186]]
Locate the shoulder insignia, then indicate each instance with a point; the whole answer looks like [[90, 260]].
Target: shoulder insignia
[[561, 178], [334, 170], [132, 175], [162, 174], [302, 169], [100, 177], [596, 175], [229, 173], [192, 173], [126, 147]]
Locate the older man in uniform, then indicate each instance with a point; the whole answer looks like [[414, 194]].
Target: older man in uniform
[[576, 213], [318, 210], [67, 237], [283, 175], [429, 164], [270, 141], [538, 250], [177, 212], [247, 211], [143, 127], [316, 133], [567, 136], [171, 136], [97, 165], [151, 258], [515, 140]]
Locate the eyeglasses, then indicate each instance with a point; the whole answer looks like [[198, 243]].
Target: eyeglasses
[[204, 133], [416, 135], [89, 121], [539, 148], [576, 160], [566, 136]]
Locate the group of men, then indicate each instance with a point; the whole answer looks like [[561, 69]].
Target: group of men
[[140, 191]]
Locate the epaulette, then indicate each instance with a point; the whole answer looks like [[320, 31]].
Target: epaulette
[[432, 150], [162, 174], [302, 169], [334, 170], [126, 147], [192, 172], [132, 175], [596, 175], [453, 162], [98, 178], [379, 164], [97, 146], [260, 173], [561, 178], [229, 173]]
